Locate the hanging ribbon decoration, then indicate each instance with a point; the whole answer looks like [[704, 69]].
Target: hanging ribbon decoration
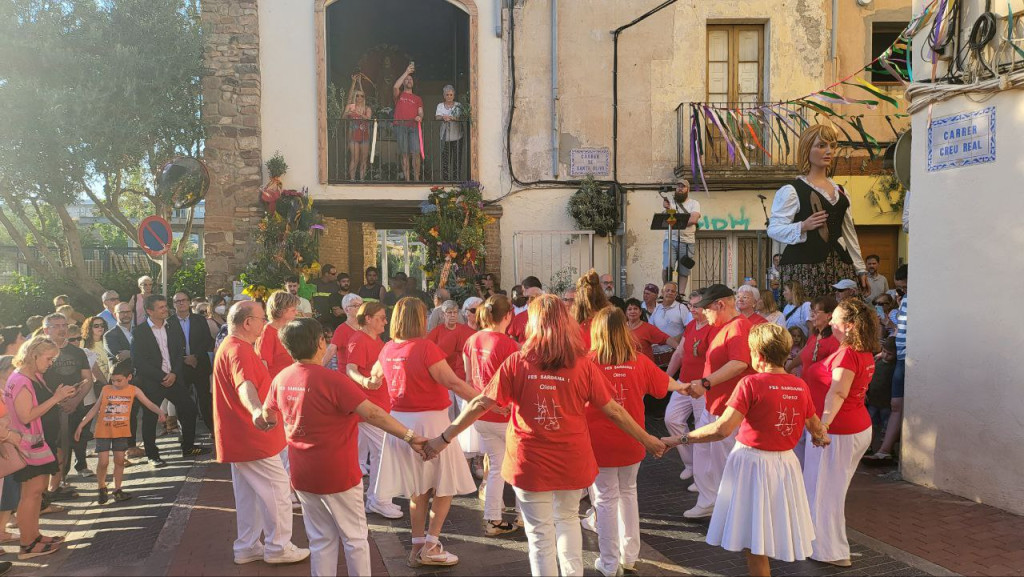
[[419, 126], [373, 142]]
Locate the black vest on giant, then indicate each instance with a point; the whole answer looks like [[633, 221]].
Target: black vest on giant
[[814, 249]]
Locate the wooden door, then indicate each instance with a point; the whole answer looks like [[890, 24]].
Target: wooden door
[[884, 242]]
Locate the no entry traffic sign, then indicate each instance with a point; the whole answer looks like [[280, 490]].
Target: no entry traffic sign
[[155, 236]]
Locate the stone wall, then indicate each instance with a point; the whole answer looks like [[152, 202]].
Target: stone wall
[[334, 244], [231, 113], [492, 244]]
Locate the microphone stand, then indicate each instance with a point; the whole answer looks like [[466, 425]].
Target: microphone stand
[[768, 246]]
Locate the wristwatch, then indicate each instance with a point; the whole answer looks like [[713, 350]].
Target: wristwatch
[[684, 439], [704, 382], [409, 434]]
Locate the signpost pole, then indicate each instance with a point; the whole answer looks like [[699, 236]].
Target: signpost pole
[[163, 274]]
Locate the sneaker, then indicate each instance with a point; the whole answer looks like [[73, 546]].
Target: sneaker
[[120, 495], [687, 474], [158, 463], [590, 521], [386, 510], [840, 563], [292, 555], [693, 488], [102, 499], [86, 472], [254, 555], [699, 512], [195, 452], [629, 568], [600, 569]]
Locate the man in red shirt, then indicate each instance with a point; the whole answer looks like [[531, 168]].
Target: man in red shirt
[[408, 115], [261, 486], [726, 362]]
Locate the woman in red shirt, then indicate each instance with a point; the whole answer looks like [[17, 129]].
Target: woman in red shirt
[[320, 409], [590, 298], [819, 347], [644, 334], [451, 336], [549, 384], [339, 340], [618, 455], [361, 353], [483, 354], [827, 474], [762, 507], [282, 308], [688, 360], [418, 381]]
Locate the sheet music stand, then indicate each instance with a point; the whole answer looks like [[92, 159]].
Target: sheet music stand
[[660, 222]]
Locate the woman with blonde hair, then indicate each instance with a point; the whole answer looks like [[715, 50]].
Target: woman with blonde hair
[[33, 359], [549, 384], [418, 380], [590, 298], [618, 455], [282, 308], [812, 217], [827, 474], [797, 310], [483, 353], [769, 309], [358, 115]]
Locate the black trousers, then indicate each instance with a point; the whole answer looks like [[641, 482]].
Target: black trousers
[[179, 394], [200, 384]]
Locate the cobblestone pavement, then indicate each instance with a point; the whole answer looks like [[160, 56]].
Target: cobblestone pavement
[[182, 523]]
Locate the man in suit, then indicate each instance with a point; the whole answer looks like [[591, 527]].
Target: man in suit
[[117, 342], [158, 354], [197, 364]]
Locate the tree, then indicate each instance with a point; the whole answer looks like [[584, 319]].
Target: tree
[[94, 98]]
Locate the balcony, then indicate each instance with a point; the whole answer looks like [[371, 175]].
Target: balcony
[[767, 143], [446, 159]]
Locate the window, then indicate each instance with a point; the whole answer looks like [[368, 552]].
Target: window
[[735, 63], [883, 34]]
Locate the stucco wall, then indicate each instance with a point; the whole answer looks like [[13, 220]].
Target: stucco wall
[[963, 404]]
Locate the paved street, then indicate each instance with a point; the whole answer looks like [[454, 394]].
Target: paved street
[[181, 522]]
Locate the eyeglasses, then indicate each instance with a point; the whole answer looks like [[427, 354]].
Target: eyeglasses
[[471, 311]]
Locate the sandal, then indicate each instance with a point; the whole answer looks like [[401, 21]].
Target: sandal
[[52, 509], [102, 499], [435, 555], [51, 540], [29, 551], [10, 538], [495, 528]]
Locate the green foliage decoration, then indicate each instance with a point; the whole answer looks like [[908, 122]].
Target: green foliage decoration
[[593, 208]]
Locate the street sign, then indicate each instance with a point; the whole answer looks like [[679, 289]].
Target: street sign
[[965, 139], [155, 236], [592, 161]]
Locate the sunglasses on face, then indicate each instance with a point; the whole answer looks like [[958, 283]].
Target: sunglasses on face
[[471, 311], [99, 326]]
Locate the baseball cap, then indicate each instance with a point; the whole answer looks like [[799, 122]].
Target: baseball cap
[[651, 287], [845, 285], [712, 293]]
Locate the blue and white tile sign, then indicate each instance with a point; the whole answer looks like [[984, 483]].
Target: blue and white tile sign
[[962, 139], [592, 161]]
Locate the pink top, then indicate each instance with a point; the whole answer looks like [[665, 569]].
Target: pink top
[[31, 434]]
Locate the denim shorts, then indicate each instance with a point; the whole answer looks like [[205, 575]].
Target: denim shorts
[[104, 445], [408, 138]]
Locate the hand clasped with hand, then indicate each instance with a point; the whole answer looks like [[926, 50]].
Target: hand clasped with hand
[[434, 447]]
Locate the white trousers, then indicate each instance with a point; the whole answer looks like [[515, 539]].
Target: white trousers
[[827, 476], [552, 524], [618, 516], [492, 442], [262, 505], [333, 519], [364, 453], [373, 439], [709, 463], [679, 409]]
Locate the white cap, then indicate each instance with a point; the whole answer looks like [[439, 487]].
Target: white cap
[[845, 285]]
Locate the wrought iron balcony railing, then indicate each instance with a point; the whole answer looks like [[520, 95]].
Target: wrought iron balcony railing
[[445, 157]]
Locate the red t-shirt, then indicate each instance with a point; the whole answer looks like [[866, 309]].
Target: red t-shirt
[[272, 351], [548, 443], [756, 319], [729, 344], [237, 439], [363, 352], [629, 383], [407, 107], [585, 333], [647, 335], [452, 341], [774, 409], [342, 335], [406, 370], [852, 416], [814, 353], [319, 421], [486, 350], [517, 328], [695, 349]]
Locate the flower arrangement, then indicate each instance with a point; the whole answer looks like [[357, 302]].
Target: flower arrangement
[[451, 227], [287, 240]]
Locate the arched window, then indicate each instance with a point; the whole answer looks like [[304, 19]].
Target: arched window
[[368, 44]]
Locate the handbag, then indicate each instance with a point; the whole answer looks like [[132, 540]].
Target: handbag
[[11, 459]]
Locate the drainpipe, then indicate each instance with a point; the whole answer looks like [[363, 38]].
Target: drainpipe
[[834, 52], [498, 7], [554, 88]]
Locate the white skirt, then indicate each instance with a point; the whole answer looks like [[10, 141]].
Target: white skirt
[[469, 439], [762, 506], [403, 473]]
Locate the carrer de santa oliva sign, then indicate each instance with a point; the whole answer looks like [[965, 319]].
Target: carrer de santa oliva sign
[[963, 139]]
